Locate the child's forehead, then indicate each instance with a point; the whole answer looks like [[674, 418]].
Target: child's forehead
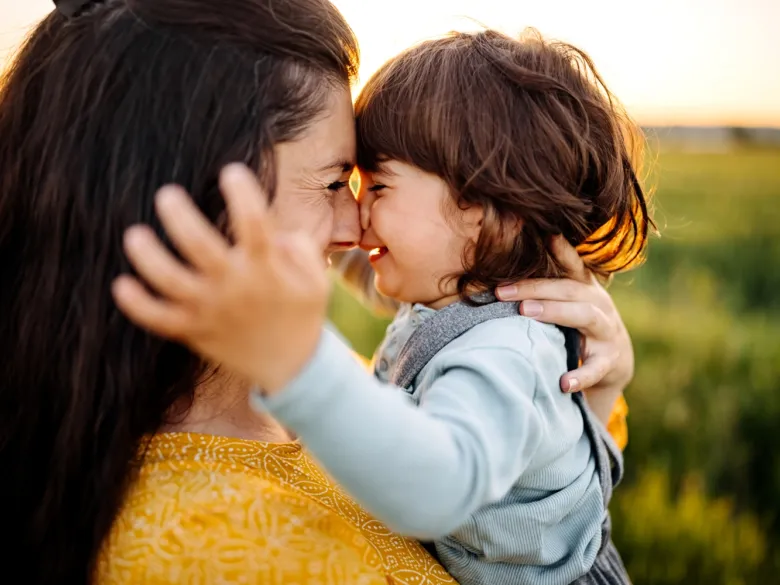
[[384, 166], [399, 171]]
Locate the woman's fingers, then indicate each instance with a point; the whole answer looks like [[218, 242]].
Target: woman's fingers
[[247, 208], [194, 236], [567, 255], [561, 289], [551, 289], [590, 373], [153, 314], [587, 318], [157, 266]]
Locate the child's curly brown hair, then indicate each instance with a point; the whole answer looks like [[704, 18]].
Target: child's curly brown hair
[[527, 130]]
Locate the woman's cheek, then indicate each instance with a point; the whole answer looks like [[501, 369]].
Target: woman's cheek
[[316, 220], [324, 228]]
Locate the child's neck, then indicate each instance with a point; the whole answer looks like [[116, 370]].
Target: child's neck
[[443, 302], [450, 299]]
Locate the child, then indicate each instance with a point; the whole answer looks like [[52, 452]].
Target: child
[[475, 151]]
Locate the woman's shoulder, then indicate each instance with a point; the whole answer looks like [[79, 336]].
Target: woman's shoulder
[[212, 509]]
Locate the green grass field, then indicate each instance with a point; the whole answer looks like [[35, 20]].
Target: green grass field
[[701, 501]]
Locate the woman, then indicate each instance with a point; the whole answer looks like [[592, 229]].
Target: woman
[[105, 103]]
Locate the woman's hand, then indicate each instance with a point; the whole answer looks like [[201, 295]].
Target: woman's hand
[[582, 303], [256, 307]]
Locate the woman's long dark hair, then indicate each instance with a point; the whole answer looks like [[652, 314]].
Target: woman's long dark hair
[[96, 113]]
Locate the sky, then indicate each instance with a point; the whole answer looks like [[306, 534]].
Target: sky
[[669, 61]]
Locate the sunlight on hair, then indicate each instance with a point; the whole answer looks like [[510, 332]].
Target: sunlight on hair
[[665, 60]]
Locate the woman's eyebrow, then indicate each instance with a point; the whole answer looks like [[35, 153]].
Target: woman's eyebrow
[[343, 164]]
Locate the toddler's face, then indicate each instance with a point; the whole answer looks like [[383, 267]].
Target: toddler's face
[[415, 232]]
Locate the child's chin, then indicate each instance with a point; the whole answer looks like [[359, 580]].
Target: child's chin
[[386, 286]]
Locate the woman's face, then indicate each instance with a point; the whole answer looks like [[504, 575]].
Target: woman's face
[[313, 193]]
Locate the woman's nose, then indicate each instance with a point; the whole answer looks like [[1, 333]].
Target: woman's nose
[[346, 222]]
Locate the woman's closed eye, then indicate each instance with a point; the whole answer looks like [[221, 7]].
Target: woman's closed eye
[[337, 186]]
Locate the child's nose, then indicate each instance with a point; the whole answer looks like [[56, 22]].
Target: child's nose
[[365, 210], [365, 200], [365, 217], [369, 241]]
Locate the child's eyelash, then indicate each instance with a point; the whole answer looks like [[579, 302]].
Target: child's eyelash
[[375, 188]]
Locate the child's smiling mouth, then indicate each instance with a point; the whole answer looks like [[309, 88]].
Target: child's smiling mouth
[[376, 254]]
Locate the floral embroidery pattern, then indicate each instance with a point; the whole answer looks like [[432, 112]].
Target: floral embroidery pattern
[[207, 509]]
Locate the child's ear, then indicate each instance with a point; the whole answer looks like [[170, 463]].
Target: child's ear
[[473, 217]]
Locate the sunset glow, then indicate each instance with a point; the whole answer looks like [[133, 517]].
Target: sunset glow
[[669, 61]]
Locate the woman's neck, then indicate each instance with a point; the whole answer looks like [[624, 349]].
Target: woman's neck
[[221, 407]]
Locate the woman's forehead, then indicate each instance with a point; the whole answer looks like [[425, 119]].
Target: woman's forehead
[[328, 145]]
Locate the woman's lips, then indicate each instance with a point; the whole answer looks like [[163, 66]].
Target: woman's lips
[[376, 254]]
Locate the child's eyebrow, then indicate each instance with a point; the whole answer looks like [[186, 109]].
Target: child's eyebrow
[[383, 169]]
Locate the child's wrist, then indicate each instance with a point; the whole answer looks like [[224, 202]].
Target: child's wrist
[[272, 381], [320, 378]]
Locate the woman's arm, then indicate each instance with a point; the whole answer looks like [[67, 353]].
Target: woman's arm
[[608, 357]]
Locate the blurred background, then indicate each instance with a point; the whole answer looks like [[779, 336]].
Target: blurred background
[[701, 501]]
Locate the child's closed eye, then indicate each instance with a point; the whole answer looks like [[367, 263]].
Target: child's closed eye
[[376, 188]]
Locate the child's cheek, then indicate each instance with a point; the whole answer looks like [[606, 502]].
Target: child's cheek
[[387, 222]]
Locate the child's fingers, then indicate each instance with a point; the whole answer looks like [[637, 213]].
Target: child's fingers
[[194, 236], [590, 373], [567, 255], [302, 256], [158, 267], [146, 311], [247, 207]]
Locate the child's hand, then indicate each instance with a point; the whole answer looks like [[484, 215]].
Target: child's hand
[[256, 307]]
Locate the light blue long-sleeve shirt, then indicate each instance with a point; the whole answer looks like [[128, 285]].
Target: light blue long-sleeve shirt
[[483, 453]]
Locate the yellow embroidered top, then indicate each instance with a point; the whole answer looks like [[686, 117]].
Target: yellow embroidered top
[[210, 510]]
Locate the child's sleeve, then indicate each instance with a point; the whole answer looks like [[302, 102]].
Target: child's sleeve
[[357, 274], [421, 470]]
